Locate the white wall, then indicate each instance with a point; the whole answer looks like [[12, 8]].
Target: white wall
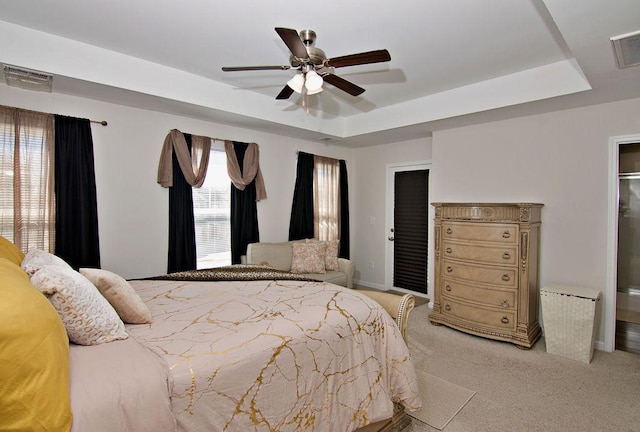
[[369, 183], [559, 159], [132, 207]]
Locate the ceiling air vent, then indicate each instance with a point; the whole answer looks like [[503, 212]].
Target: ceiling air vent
[[626, 48], [27, 79]]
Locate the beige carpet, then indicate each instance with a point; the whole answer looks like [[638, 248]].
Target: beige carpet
[[526, 390], [441, 400]]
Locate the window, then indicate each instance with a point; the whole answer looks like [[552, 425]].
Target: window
[[211, 208], [26, 178], [326, 195]]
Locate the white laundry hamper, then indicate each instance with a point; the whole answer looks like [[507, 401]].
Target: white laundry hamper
[[569, 318]]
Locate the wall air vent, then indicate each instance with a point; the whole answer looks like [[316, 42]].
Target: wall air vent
[[626, 48], [27, 79]]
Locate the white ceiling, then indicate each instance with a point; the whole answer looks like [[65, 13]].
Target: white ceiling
[[453, 62]]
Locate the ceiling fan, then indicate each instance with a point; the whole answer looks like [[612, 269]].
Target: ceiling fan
[[314, 66]]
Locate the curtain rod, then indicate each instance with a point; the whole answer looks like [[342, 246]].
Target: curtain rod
[[102, 122]]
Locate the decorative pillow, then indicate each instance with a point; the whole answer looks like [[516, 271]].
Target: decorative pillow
[[10, 251], [124, 299], [308, 257], [331, 256], [34, 357], [37, 258], [87, 316]]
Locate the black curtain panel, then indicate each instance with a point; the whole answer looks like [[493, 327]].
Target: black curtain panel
[[76, 219], [344, 211], [244, 212], [182, 231], [301, 222]]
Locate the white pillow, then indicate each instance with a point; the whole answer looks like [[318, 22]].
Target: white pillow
[[87, 316], [124, 299], [37, 258]]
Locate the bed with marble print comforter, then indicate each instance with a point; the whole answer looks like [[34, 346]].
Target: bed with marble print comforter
[[275, 355]]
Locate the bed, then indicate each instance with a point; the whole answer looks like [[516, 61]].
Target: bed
[[246, 350]]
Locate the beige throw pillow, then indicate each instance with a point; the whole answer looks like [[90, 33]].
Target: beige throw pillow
[[308, 257], [87, 316], [331, 255], [124, 299]]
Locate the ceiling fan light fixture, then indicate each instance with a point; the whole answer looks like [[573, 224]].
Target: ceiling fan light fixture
[[313, 82], [296, 83]]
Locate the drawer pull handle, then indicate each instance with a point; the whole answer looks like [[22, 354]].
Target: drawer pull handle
[[506, 234], [506, 278], [504, 320], [449, 269], [449, 231], [447, 307], [448, 250], [506, 255], [447, 288], [505, 303]]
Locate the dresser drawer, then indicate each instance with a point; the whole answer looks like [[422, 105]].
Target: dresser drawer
[[490, 232], [504, 254], [500, 276], [496, 319], [489, 297]]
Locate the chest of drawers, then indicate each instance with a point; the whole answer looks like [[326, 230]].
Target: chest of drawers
[[486, 270]]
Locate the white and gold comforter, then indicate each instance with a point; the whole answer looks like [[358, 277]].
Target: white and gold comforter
[[276, 355]]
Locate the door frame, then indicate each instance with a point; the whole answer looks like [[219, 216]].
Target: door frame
[[609, 309], [391, 169]]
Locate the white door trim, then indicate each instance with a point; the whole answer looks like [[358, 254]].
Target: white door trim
[[611, 288], [391, 169]]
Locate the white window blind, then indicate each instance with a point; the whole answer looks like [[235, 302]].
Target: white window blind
[[26, 178], [212, 209]]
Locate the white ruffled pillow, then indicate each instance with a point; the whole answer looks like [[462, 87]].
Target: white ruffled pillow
[[87, 316], [37, 258]]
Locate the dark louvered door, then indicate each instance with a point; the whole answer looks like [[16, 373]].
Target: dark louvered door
[[410, 230]]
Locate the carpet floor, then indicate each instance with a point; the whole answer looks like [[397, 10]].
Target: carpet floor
[[526, 390]]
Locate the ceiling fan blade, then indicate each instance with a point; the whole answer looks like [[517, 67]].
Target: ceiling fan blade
[[377, 56], [253, 68], [343, 84], [292, 40], [285, 93]]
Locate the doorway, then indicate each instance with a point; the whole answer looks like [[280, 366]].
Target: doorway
[[628, 262], [407, 257]]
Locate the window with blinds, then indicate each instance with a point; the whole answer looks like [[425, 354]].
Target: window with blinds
[[212, 208], [26, 178]]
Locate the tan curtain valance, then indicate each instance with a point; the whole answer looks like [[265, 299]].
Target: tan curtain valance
[[193, 172], [250, 169]]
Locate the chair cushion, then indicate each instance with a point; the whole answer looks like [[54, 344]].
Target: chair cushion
[[276, 255]]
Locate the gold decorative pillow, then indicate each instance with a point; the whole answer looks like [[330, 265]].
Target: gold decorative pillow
[[34, 357], [35, 259], [331, 255], [87, 316], [10, 251], [124, 299], [308, 257]]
